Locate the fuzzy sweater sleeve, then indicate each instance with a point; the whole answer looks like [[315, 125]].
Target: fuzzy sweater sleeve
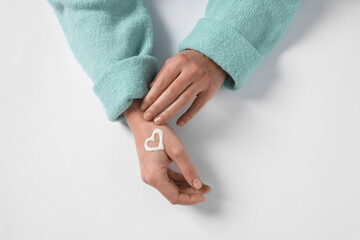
[[239, 34], [112, 40]]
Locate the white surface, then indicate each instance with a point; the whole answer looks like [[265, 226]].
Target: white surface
[[282, 154]]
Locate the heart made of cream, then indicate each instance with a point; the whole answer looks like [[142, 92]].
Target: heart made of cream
[[152, 139]]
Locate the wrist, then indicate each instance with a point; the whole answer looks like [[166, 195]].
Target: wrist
[[132, 114]]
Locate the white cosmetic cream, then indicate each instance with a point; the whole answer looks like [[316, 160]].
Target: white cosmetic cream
[[152, 139]]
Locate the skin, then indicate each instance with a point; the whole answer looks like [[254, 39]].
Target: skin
[[177, 188], [184, 77]]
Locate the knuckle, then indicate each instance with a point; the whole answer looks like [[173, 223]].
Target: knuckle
[[190, 94], [172, 91], [148, 99], [191, 70], [178, 152], [166, 115], [180, 81], [188, 172], [205, 77], [182, 57], [143, 178], [196, 106], [194, 109], [167, 61], [180, 60], [201, 70], [187, 117], [193, 91], [154, 109], [173, 201], [173, 67], [195, 68], [151, 178]]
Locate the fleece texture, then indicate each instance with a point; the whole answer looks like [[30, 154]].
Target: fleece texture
[[113, 39], [239, 34]]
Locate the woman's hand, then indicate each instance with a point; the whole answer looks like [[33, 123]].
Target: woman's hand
[[185, 188], [184, 77]]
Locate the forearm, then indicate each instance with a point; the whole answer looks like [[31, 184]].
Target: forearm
[[133, 115]]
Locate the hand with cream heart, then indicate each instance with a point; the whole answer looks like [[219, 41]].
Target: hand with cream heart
[[157, 152]]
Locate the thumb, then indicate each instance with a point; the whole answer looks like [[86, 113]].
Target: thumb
[[180, 156]]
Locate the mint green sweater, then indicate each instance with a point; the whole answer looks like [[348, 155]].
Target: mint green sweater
[[113, 40]]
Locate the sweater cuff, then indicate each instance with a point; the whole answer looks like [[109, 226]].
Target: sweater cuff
[[226, 47], [124, 81]]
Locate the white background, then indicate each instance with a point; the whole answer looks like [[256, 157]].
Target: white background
[[282, 154]]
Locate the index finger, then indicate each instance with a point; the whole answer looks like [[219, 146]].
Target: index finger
[[162, 80], [172, 192]]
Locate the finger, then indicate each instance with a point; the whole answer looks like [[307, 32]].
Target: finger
[[179, 104], [189, 190], [183, 186], [151, 84], [158, 74], [167, 97], [175, 176], [172, 192], [162, 80], [195, 107], [177, 152]]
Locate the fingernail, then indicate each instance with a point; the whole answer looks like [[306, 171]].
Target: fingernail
[[157, 120], [181, 123], [143, 106], [197, 183], [148, 116]]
